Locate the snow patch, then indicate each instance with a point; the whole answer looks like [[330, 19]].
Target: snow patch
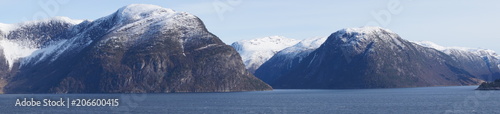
[[204, 47], [41, 54], [13, 51], [6, 28]]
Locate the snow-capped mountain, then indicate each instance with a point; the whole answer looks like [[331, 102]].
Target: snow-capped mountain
[[470, 58], [257, 51], [139, 48], [22, 39], [373, 57], [458, 50], [283, 61]]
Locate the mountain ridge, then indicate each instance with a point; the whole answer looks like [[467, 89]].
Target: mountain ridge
[[372, 57]]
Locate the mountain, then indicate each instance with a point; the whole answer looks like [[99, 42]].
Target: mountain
[[476, 61], [373, 57], [138, 49], [283, 61], [257, 51]]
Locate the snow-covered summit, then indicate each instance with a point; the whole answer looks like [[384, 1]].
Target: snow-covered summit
[[353, 35], [136, 12], [137, 15], [365, 30], [257, 51]]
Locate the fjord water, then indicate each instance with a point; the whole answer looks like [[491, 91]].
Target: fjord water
[[456, 99]]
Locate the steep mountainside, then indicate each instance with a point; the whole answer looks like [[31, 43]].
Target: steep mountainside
[[257, 51], [139, 48], [283, 61], [372, 57]]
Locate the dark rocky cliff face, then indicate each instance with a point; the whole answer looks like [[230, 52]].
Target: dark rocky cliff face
[[372, 57], [162, 51], [495, 85]]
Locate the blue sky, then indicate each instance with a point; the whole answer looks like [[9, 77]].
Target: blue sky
[[464, 23]]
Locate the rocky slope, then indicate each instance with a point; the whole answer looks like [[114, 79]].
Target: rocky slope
[[137, 49], [372, 57], [257, 51]]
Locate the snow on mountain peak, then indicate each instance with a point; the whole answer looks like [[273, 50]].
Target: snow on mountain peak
[[135, 12], [449, 50], [353, 35], [139, 18], [430, 45], [365, 30], [257, 51]]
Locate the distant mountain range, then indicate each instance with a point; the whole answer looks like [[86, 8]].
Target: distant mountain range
[[138, 49], [373, 57], [149, 49]]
